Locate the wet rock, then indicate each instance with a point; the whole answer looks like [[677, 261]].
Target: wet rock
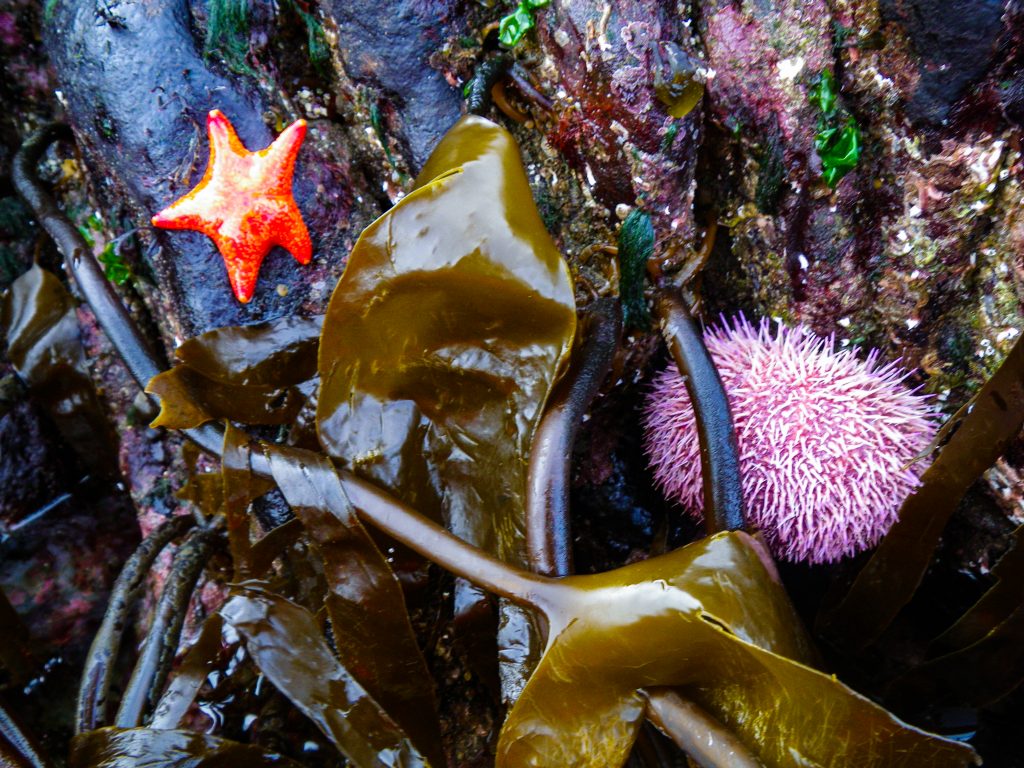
[[56, 570], [34, 465], [137, 91], [386, 48], [766, 61], [955, 42], [614, 128], [881, 261]]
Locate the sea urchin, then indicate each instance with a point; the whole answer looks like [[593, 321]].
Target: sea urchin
[[826, 440]]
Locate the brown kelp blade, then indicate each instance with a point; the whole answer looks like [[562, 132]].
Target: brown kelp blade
[[710, 620], [441, 344], [38, 321], [974, 676], [980, 658], [257, 374], [443, 338], [133, 747], [995, 606], [370, 622], [285, 642], [268, 354], [890, 578]]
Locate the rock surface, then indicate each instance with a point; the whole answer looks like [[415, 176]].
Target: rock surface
[[918, 251]]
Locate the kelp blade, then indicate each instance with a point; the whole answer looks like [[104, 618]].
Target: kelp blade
[[287, 645], [980, 658], [975, 676], [141, 747], [271, 354], [189, 399], [372, 633], [995, 606], [37, 316], [257, 374], [710, 620], [443, 338], [889, 579], [189, 676]]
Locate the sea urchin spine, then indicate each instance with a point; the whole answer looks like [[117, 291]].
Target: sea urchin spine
[[827, 441]]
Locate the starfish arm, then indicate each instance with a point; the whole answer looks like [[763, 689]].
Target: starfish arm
[[188, 212], [291, 233], [278, 160], [223, 139], [243, 256]]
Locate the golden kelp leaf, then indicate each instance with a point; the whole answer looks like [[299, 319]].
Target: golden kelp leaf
[[286, 644], [257, 374], [710, 620], [370, 621], [443, 338]]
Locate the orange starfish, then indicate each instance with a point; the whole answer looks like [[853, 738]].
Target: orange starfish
[[244, 202]]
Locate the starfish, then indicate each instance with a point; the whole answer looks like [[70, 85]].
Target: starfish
[[244, 202]]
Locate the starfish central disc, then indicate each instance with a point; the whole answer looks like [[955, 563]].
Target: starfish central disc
[[244, 203]]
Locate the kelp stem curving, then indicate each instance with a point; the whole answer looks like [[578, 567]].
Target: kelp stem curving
[[707, 742], [87, 271], [154, 663], [723, 494], [98, 672], [18, 748], [548, 524]]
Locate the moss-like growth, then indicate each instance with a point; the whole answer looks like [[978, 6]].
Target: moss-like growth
[[227, 34], [770, 178], [513, 27], [636, 246], [316, 40]]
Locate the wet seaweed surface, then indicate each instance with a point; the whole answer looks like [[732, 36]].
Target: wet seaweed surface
[[226, 529]]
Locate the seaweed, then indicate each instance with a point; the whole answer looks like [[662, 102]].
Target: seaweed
[[710, 621], [513, 27], [125, 747], [838, 139], [723, 494], [891, 576], [444, 337], [98, 673], [286, 643], [636, 247], [548, 538], [154, 661], [259, 374], [37, 318], [372, 633], [227, 34]]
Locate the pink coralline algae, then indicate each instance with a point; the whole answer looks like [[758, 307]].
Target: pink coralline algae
[[827, 441]]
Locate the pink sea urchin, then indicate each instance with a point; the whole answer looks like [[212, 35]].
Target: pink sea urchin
[[824, 438]]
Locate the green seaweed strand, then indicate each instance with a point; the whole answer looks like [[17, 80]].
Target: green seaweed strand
[[838, 141]]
